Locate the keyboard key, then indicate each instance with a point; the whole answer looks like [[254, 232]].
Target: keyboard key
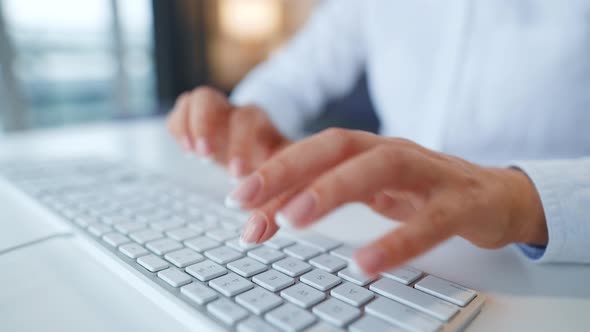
[[401, 315], [183, 233], [206, 270], [202, 243], [221, 234], [371, 324], [130, 227], [166, 225], [319, 242], [146, 235], [115, 239], [174, 277], [152, 263], [184, 257], [163, 246], [133, 250], [273, 280], [279, 242], [336, 312], [223, 255], [266, 255], [227, 311], [246, 267], [198, 293], [446, 290], [302, 295], [99, 229], [352, 294], [288, 317], [405, 275], [302, 251], [230, 284], [321, 280], [259, 300], [255, 324], [356, 278], [328, 263], [414, 298], [291, 266], [237, 245], [344, 252]]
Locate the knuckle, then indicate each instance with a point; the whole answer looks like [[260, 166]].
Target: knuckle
[[203, 90], [340, 140]]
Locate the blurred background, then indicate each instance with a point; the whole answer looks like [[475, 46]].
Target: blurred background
[[66, 62]]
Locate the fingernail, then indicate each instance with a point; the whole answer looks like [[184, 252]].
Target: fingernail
[[245, 192], [370, 260], [236, 165], [298, 210], [202, 147], [185, 143], [254, 229]]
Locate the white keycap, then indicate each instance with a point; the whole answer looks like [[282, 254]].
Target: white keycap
[[221, 234], [370, 323], [115, 239], [184, 257], [401, 315], [206, 270], [230, 284], [324, 327], [414, 298], [130, 227], [345, 252], [302, 295], [174, 277], [319, 242], [266, 255], [152, 263], [259, 300], [133, 250], [255, 324], [352, 294], [166, 225], [202, 243], [183, 233], [291, 266], [319, 279], [198, 293], [222, 255], [227, 311], [114, 219], [99, 229], [406, 275], [146, 235], [247, 267], [302, 251], [356, 278], [163, 246], [236, 244], [336, 312], [273, 280], [328, 263], [288, 317], [446, 290], [279, 242]]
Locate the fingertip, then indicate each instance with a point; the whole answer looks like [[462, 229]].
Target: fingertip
[[370, 260], [203, 147]]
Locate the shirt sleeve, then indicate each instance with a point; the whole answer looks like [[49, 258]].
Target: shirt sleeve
[[323, 61], [564, 188]]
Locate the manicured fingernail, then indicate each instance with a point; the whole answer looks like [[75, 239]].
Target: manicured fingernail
[[254, 229], [236, 165], [202, 147], [244, 192], [370, 260], [185, 143], [297, 211]]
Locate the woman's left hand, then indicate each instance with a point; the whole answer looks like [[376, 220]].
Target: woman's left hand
[[435, 195]]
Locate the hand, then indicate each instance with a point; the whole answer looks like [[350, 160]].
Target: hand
[[241, 138], [435, 195]]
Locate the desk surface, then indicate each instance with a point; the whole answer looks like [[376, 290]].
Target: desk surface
[[521, 295]]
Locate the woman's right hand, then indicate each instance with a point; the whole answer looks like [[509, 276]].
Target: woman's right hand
[[240, 138]]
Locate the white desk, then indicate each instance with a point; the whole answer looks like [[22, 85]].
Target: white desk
[[521, 295]]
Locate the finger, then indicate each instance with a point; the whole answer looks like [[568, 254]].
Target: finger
[[245, 145], [394, 206], [299, 163], [177, 122], [209, 114], [357, 179], [427, 228]]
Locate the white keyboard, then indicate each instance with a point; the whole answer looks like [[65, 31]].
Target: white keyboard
[[188, 245]]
